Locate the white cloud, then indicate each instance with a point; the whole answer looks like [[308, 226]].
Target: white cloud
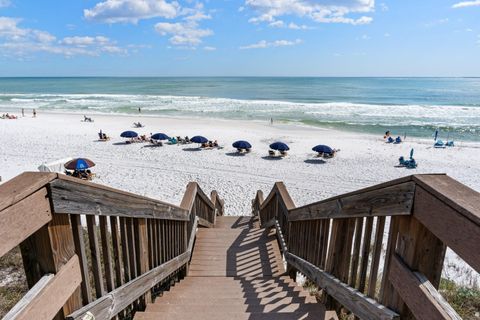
[[18, 42], [186, 33], [323, 11], [131, 11], [207, 48], [263, 44], [465, 4], [291, 25], [5, 3]]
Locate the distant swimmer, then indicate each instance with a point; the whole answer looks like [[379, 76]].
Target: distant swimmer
[[271, 121], [34, 113], [23, 112], [139, 110]]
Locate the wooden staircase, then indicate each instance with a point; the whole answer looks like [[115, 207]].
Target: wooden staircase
[[236, 272]]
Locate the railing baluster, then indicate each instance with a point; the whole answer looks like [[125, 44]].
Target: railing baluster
[[79, 241], [377, 249], [356, 251], [95, 255], [107, 259], [365, 254], [125, 253]]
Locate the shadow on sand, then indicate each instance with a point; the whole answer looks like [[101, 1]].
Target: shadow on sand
[[120, 143], [235, 154], [192, 149], [315, 161], [271, 158]]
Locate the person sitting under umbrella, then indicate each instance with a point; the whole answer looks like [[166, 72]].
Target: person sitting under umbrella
[[80, 167]]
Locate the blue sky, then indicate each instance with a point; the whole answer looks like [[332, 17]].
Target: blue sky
[[239, 38]]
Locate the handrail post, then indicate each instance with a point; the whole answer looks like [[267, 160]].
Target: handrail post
[[419, 249], [47, 251]]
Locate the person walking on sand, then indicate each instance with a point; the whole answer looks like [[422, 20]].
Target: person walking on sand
[[34, 113], [23, 112]]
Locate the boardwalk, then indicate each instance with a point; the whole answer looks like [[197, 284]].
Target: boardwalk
[[235, 273]]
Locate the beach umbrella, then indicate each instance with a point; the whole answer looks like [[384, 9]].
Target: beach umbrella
[[160, 136], [129, 134], [436, 135], [241, 144], [411, 154], [280, 146], [79, 164], [199, 139], [322, 149]]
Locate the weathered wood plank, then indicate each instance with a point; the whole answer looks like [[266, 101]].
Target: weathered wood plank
[[358, 303], [22, 219], [112, 303], [394, 200], [455, 194], [283, 194], [77, 197], [205, 223], [46, 251], [189, 196], [454, 229], [23, 185], [48, 296], [356, 251], [95, 255], [377, 250], [107, 257], [77, 231], [116, 251], [420, 296], [365, 253]]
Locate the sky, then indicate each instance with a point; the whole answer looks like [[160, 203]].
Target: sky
[[239, 38]]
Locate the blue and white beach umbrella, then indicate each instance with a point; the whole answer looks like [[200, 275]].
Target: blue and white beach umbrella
[[79, 164]]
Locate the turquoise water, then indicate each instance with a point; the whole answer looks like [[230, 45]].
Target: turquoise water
[[416, 106]]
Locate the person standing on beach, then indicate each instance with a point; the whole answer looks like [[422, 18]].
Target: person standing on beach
[[139, 110], [23, 112], [34, 113], [271, 121]]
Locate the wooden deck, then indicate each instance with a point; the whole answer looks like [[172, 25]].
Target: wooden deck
[[236, 272]]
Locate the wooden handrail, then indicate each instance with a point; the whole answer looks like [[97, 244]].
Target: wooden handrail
[[136, 243], [333, 237]]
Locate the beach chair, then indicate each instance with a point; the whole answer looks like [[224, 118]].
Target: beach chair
[[439, 144], [248, 150], [271, 153], [398, 140], [283, 153], [450, 144], [239, 150], [390, 140]]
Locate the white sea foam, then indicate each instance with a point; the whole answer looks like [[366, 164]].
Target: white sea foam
[[463, 118]]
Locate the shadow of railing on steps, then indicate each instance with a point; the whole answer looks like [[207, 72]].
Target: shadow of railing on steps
[[337, 243]]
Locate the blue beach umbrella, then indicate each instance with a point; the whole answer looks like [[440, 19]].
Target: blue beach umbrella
[[241, 144], [79, 164], [160, 136], [280, 146], [199, 139], [129, 134], [322, 149]]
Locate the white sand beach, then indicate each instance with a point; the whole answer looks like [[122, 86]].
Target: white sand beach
[[163, 172]]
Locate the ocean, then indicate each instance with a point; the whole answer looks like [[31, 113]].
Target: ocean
[[411, 106]]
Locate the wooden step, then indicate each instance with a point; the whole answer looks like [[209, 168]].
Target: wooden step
[[227, 309], [210, 315]]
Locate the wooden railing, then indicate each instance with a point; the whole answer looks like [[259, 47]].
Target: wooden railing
[[131, 248], [341, 244]]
